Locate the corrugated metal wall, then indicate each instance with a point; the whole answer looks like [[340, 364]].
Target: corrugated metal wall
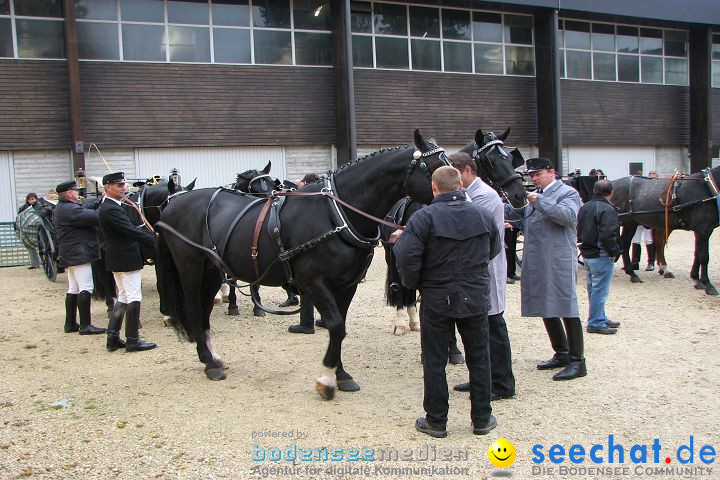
[[308, 159], [7, 190], [118, 160], [212, 166], [40, 171], [614, 161]]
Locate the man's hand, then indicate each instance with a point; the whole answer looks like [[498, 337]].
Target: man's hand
[[395, 235], [532, 196], [507, 225]]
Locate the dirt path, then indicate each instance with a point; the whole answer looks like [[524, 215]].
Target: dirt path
[[154, 415]]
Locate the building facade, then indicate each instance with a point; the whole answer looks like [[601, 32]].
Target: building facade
[[216, 87]]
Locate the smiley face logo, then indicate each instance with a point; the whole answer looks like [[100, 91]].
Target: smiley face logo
[[502, 453]]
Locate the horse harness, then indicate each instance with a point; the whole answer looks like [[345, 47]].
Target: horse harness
[[478, 157], [342, 226], [669, 198]]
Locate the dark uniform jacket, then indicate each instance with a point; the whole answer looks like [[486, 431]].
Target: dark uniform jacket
[[444, 252], [75, 228], [123, 253], [598, 227]]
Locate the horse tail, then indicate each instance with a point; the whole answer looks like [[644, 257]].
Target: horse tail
[[172, 297], [393, 287], [103, 280]]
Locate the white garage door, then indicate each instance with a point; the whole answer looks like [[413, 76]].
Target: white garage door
[[615, 162], [7, 190], [212, 166], [40, 171]]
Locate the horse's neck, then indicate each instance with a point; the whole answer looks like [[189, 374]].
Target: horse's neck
[[373, 184]]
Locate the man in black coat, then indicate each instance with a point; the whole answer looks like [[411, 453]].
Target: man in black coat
[[124, 258], [77, 249], [444, 252]]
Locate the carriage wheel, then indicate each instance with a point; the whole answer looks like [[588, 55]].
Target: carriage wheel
[[46, 249]]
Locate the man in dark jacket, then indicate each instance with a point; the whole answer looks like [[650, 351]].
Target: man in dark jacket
[[598, 231], [444, 252], [77, 249], [124, 258]]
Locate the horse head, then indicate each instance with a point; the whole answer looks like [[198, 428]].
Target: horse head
[[427, 158], [496, 166], [257, 182], [153, 198]]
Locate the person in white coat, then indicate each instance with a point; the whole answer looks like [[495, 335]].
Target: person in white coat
[[480, 193]]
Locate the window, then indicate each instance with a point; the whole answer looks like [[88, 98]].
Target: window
[[456, 24], [425, 54], [189, 44], [231, 13], [98, 41], [390, 19], [391, 52], [142, 11], [313, 48], [143, 42], [458, 57], [311, 14], [96, 9], [188, 11], [4, 7], [232, 45], [39, 8], [716, 60], [624, 53], [6, 43], [362, 51], [40, 39], [273, 47]]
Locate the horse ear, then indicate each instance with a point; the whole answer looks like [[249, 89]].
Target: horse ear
[[420, 143], [192, 185], [266, 170], [479, 137], [517, 158], [171, 186], [504, 135]]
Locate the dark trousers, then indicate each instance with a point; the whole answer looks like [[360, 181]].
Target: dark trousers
[[511, 235], [503, 380], [435, 336]]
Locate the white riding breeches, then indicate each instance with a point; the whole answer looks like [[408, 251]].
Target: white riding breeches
[[129, 285], [643, 235], [80, 278]]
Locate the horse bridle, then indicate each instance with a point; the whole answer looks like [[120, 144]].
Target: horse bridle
[[482, 153], [427, 169]]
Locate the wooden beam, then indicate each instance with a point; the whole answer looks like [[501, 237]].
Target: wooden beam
[[344, 83], [75, 99], [700, 98]]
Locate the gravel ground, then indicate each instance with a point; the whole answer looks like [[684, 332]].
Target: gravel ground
[[70, 409]]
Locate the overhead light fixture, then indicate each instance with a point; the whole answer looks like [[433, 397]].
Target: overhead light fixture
[[317, 12]]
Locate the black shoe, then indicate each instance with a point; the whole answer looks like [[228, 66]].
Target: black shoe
[[462, 387], [485, 429], [558, 360], [290, 302], [114, 342], [650, 267], [612, 324], [71, 328], [320, 323], [300, 329], [422, 425], [514, 277], [510, 281], [496, 396], [137, 345], [576, 368], [603, 331], [91, 330]]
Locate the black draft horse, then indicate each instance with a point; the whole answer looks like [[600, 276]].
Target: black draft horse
[[330, 246], [694, 207], [496, 167]]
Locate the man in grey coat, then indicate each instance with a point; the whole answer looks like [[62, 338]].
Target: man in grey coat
[[549, 267]]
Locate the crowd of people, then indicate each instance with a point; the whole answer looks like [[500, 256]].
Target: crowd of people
[[451, 251]]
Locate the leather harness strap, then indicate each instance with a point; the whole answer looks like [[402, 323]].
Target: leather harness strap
[[256, 234]]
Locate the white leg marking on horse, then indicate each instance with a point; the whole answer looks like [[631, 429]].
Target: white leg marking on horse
[[208, 340], [414, 318], [225, 289], [328, 378], [218, 298], [401, 317]]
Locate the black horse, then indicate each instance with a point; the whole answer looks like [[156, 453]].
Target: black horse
[[328, 247], [692, 206]]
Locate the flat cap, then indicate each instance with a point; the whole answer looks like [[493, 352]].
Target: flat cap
[[537, 164], [65, 186], [117, 177]]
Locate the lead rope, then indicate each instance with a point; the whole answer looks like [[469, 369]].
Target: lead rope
[[669, 197]]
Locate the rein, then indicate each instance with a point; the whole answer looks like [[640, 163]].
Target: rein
[[139, 211]]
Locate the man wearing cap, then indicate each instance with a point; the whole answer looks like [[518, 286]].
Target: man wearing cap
[[549, 266], [124, 258], [77, 248]]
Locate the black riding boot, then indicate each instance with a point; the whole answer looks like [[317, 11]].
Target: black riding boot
[[132, 325], [576, 366], [636, 256], [86, 326], [114, 342], [307, 319], [291, 301], [559, 343], [650, 257], [71, 302]]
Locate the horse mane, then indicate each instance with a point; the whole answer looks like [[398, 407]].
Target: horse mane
[[366, 157]]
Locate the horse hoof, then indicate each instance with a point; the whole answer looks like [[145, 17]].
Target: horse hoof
[[669, 275], [661, 271], [456, 359], [215, 373], [415, 326], [217, 301], [222, 364], [167, 322], [258, 312], [326, 392], [710, 290], [401, 330], [635, 279], [233, 311], [347, 385]]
